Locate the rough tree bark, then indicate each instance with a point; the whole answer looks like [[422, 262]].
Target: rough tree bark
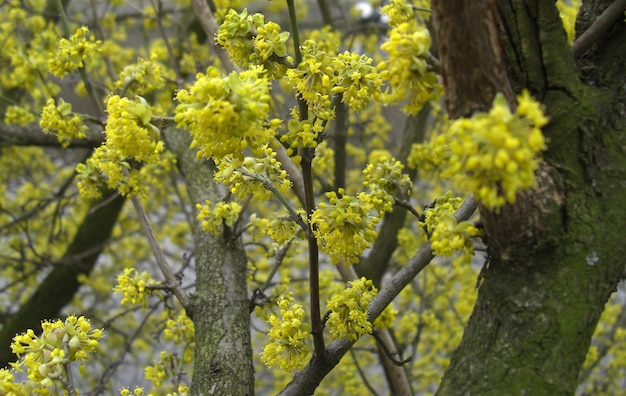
[[220, 307], [556, 255]]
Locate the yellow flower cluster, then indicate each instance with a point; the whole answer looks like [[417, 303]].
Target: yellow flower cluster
[[226, 114], [142, 77], [182, 332], [72, 54], [45, 357], [327, 40], [136, 392], [301, 134], [129, 136], [448, 236], [288, 348], [257, 227], [386, 181], [250, 41], [183, 390], [109, 166], [321, 74], [282, 229], [343, 226], [60, 121], [348, 310], [314, 79], [135, 286], [160, 371], [399, 11], [443, 205], [430, 156], [129, 131], [254, 176], [358, 81], [214, 217], [494, 155], [406, 68], [18, 115]]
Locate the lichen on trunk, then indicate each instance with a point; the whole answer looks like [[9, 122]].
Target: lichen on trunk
[[220, 306]]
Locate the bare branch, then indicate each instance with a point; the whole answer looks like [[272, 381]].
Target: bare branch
[[613, 12], [32, 135], [207, 20], [172, 281]]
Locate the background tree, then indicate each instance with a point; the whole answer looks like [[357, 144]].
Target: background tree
[[291, 211]]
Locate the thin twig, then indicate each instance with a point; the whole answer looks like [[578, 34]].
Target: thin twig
[[91, 92], [391, 355], [166, 41], [612, 13], [166, 270], [207, 21], [362, 374], [403, 203], [278, 260], [309, 204]]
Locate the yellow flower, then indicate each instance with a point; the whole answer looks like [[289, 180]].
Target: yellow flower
[[282, 229], [72, 54], [494, 155], [288, 348], [60, 121], [142, 77], [358, 81], [449, 237], [348, 310], [254, 176], [18, 115], [344, 227], [129, 131], [386, 181], [135, 286], [406, 69], [214, 217], [45, 357], [226, 114], [314, 79]]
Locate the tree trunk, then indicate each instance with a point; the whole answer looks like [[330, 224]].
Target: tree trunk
[[557, 254], [220, 307]]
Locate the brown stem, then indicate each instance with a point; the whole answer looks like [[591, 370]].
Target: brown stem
[[317, 328], [613, 12], [207, 21]]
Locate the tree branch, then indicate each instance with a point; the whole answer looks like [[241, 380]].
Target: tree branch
[[613, 12], [32, 135], [207, 21], [306, 381], [172, 282]]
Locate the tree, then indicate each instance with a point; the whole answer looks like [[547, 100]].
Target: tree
[[225, 149]]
